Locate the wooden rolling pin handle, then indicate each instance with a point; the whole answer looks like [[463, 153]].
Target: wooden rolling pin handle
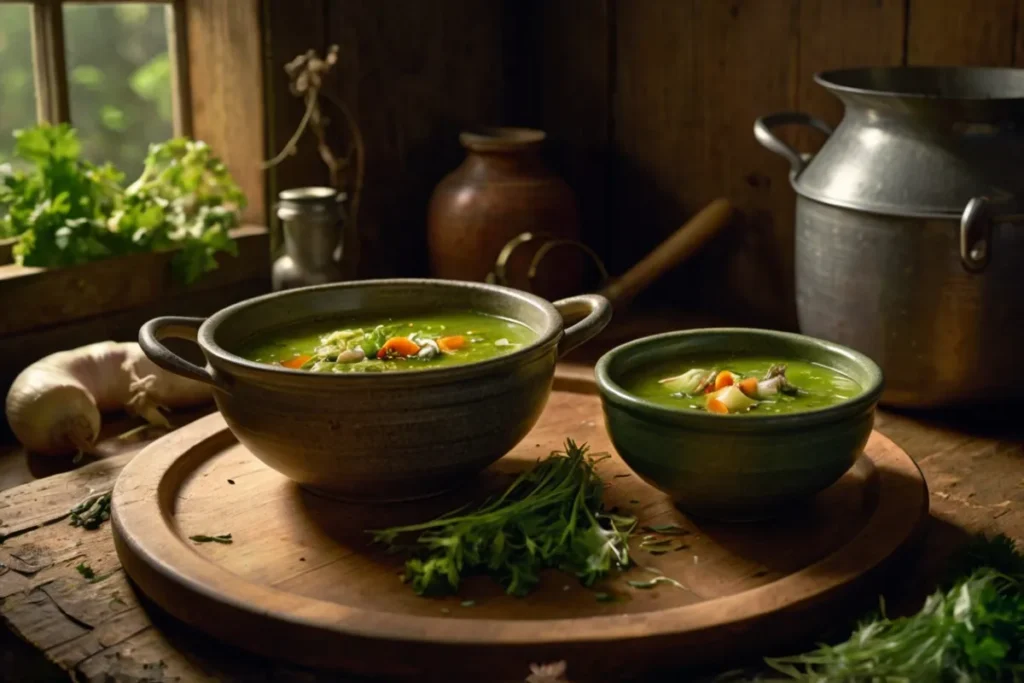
[[670, 253]]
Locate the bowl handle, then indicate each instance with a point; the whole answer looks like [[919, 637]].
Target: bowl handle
[[597, 312], [157, 329]]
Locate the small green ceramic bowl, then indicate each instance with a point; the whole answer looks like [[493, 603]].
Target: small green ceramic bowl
[[730, 467]]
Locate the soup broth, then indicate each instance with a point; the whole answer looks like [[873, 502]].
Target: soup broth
[[418, 342], [740, 385]]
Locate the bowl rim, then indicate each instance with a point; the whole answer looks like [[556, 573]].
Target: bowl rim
[[612, 392], [546, 338]]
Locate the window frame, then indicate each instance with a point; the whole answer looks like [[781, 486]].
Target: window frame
[[201, 113], [50, 64]]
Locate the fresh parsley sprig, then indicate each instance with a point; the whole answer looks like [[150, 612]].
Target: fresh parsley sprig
[[66, 211], [550, 516]]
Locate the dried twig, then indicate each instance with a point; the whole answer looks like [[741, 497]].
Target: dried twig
[[307, 74]]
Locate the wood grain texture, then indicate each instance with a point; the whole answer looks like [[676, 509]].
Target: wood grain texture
[[691, 78], [37, 298], [300, 582], [20, 350], [974, 467], [414, 74], [295, 26], [575, 83], [975, 33], [837, 34], [226, 75]]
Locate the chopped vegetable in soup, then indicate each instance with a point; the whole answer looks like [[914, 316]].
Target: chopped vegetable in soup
[[381, 345], [741, 386]]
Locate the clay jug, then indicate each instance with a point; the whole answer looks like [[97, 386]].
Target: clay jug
[[501, 190]]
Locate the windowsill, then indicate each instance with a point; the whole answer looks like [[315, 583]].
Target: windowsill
[[37, 298]]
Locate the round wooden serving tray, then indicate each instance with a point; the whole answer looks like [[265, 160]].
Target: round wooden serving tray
[[302, 582]]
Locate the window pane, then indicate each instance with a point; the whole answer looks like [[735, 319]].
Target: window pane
[[17, 85], [119, 80]]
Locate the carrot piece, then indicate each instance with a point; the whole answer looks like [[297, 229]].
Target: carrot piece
[[398, 346], [723, 380], [453, 343], [749, 387], [295, 363], [716, 406]]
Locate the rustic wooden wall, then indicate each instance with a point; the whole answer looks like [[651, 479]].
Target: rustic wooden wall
[[649, 106], [414, 74]]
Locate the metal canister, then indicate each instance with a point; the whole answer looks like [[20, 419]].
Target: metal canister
[[310, 219], [909, 240]]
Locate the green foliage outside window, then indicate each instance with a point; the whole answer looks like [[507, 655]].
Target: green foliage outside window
[[119, 79]]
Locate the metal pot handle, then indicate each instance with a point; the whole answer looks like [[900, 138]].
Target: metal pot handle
[[763, 132], [976, 226]]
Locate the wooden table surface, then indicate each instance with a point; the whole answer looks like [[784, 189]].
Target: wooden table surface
[[59, 626]]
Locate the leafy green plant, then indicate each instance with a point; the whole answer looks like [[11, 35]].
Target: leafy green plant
[[66, 211], [970, 630], [550, 516]]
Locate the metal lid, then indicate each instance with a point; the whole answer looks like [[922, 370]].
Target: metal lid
[[304, 195], [914, 141]]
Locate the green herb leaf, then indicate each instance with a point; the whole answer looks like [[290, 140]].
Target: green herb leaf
[[651, 583], [91, 512], [222, 538], [85, 570], [973, 630], [550, 516]]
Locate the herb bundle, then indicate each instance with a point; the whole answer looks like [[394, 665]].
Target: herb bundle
[[550, 516], [66, 211], [972, 629]]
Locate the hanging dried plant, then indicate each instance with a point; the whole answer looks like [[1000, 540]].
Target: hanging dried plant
[[307, 75]]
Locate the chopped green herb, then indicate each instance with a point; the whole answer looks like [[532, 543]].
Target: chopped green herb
[[668, 530], [86, 571], [468, 603], [651, 583], [91, 512], [222, 538], [550, 516], [604, 597]]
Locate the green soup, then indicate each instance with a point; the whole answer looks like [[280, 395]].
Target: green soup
[[418, 342], [743, 385]]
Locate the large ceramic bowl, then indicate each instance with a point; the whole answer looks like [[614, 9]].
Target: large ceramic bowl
[[381, 436], [733, 467]]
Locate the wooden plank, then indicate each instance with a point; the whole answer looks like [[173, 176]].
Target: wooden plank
[[832, 36], [979, 33], [298, 26], [51, 76], [414, 75], [18, 351], [38, 298], [691, 78], [176, 17], [226, 74], [576, 82]]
